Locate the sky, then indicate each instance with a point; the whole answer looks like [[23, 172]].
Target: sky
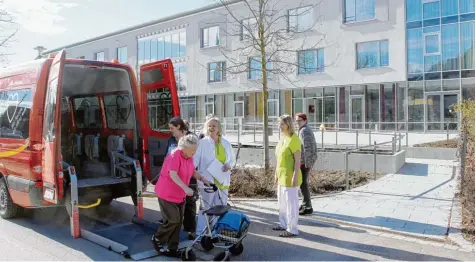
[[55, 23]]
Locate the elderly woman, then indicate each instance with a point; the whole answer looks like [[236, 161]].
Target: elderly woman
[[205, 160], [179, 128], [288, 177], [172, 189]]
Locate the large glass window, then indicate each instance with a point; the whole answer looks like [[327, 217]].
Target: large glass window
[[450, 49], [372, 54], [122, 54], [413, 10], [119, 111], [432, 44], [431, 9], [432, 63], [180, 71], [467, 85], [160, 48], [300, 19], [415, 51], [255, 71], [210, 36], [87, 112], [140, 52], [311, 61], [467, 45], [415, 105], [146, 51], [188, 107], [388, 107], [466, 6], [216, 72], [183, 44], [449, 7], [343, 106], [168, 46], [359, 10], [372, 104], [153, 50], [175, 45]]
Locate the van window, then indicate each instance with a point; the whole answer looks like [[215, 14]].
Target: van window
[[87, 112], [119, 113], [15, 108], [160, 109]]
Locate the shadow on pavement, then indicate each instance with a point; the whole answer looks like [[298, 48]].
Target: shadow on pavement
[[414, 169], [382, 251], [401, 225]]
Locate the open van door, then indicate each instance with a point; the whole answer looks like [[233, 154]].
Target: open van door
[[159, 103], [51, 157]]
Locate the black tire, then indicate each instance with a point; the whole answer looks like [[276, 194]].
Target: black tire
[[8, 209], [188, 255], [222, 256], [237, 249], [207, 243]]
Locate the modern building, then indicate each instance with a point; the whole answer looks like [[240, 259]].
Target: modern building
[[389, 65]]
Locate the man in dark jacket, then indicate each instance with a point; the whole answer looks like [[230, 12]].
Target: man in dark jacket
[[308, 158]]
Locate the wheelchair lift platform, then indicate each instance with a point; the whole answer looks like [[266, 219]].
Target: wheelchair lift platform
[[132, 239]]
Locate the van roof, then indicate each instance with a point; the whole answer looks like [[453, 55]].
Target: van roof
[[27, 67]]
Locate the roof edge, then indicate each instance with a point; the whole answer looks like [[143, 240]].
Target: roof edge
[[143, 25]]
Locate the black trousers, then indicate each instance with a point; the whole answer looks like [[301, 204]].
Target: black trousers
[[172, 216], [305, 187], [190, 212]]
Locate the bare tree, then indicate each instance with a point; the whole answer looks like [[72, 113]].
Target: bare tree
[[40, 49], [7, 32], [272, 36]]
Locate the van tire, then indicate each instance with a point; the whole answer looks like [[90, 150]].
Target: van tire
[[8, 209]]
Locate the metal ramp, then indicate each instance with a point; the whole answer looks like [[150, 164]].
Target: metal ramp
[[132, 239]]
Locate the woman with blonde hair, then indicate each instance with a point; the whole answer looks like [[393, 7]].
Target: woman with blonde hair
[[288, 177], [214, 158]]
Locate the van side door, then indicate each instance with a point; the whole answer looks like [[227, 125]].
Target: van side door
[[51, 157], [159, 103]]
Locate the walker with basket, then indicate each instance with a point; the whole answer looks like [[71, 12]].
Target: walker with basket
[[224, 229]]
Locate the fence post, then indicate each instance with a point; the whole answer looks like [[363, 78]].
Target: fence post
[[322, 138], [370, 136], [447, 132], [375, 160], [346, 160], [337, 133], [356, 139], [399, 142], [406, 137], [239, 126], [463, 158], [190, 122], [393, 145]]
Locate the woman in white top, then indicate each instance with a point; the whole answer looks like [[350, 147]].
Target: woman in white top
[[214, 159]]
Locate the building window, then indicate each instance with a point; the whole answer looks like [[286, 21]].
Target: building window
[[180, 71], [210, 36], [249, 26], [432, 44], [169, 45], [216, 72], [300, 19], [209, 105], [431, 9], [255, 71], [359, 10], [99, 56], [467, 45], [122, 54], [466, 6], [188, 107], [372, 54], [311, 61]]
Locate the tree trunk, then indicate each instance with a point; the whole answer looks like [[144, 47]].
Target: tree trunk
[[262, 48]]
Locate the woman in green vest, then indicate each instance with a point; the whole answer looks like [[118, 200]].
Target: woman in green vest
[[288, 177]]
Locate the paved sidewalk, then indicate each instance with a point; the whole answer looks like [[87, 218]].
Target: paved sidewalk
[[418, 200]]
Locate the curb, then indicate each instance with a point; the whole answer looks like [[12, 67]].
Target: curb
[[388, 232]]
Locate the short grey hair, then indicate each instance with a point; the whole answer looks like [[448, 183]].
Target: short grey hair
[[188, 141]]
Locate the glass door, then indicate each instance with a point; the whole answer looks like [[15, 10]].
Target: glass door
[[357, 112], [313, 110], [439, 113]]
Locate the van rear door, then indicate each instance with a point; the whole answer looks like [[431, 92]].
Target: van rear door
[[51, 157], [159, 103]]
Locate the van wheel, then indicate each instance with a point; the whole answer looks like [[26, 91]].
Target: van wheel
[[8, 209]]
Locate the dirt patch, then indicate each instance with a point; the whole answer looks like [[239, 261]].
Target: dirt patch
[[452, 143], [253, 182]]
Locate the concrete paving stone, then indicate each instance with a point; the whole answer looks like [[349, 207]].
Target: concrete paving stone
[[432, 231], [392, 224], [451, 247]]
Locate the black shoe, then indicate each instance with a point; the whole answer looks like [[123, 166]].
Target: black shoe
[[306, 211], [160, 248], [191, 236], [171, 253], [301, 207]]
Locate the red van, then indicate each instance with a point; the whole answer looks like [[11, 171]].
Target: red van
[[58, 112]]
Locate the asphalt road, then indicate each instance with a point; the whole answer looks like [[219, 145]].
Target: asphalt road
[[45, 235]]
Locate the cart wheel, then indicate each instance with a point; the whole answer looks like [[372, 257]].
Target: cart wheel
[[222, 256], [237, 249], [207, 243], [188, 255]]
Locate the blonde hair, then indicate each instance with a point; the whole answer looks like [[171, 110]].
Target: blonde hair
[[219, 127], [288, 120]]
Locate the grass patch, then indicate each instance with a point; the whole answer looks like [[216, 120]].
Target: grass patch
[[253, 182], [451, 143]]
